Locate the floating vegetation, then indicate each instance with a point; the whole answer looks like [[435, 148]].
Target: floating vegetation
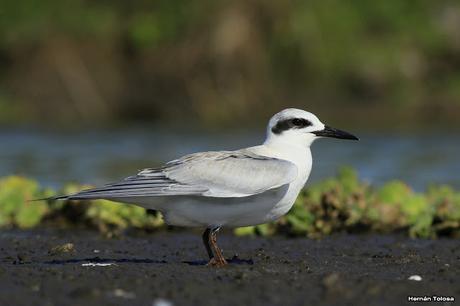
[[345, 204], [15, 206], [339, 204]]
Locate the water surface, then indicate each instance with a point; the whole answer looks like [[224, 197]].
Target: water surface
[[98, 157]]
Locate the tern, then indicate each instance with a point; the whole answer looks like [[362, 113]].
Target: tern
[[218, 189]]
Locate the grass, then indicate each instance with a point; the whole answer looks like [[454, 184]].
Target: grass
[[339, 204]]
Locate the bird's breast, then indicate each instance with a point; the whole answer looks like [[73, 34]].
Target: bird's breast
[[304, 164]]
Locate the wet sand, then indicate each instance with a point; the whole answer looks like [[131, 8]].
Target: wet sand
[[141, 269]]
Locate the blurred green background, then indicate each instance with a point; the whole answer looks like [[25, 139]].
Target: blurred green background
[[90, 91], [214, 63]]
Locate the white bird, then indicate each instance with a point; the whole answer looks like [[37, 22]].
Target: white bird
[[237, 188]]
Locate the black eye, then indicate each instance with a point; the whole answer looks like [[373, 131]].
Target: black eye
[[291, 123], [300, 122]]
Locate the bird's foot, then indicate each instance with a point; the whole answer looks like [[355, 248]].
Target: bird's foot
[[217, 262]]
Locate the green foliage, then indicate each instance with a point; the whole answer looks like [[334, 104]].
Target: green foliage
[[16, 208], [106, 214], [339, 204], [344, 204]]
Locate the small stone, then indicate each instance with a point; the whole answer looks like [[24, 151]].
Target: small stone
[[61, 249], [334, 284], [97, 264], [123, 294], [416, 278], [331, 280], [162, 302]]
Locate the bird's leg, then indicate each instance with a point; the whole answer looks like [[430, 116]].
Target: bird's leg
[[206, 237], [216, 259], [218, 256]]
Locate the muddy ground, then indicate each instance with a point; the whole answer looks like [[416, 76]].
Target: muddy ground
[[168, 269]]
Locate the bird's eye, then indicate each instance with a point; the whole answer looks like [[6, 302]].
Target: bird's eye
[[300, 122], [297, 122], [291, 123]]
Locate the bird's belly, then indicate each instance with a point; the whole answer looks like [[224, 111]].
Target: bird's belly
[[232, 212]]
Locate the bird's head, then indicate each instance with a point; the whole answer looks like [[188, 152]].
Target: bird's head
[[300, 127]]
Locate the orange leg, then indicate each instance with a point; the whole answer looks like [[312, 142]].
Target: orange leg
[[216, 258]]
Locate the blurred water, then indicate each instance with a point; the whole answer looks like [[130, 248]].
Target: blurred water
[[106, 156]]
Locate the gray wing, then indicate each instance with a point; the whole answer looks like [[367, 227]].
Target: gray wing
[[212, 174]]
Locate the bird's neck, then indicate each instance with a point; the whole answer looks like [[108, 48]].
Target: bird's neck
[[295, 153], [291, 142], [288, 149]]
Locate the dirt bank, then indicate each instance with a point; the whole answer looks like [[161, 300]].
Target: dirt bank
[[162, 267]]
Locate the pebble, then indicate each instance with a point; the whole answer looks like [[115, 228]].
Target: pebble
[[97, 264], [123, 294], [416, 278], [60, 249], [162, 302]]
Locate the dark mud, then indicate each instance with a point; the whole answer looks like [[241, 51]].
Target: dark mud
[[168, 268]]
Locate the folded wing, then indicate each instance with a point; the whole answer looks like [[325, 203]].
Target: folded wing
[[212, 174]]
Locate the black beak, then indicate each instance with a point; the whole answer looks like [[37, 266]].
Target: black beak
[[335, 133]]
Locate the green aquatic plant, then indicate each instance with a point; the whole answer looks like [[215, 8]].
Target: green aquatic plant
[[16, 207], [338, 204], [107, 214], [447, 209], [395, 205], [329, 206], [346, 204]]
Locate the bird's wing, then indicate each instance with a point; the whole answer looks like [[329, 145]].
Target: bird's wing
[[213, 174]]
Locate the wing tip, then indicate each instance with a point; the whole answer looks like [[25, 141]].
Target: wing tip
[[51, 199]]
